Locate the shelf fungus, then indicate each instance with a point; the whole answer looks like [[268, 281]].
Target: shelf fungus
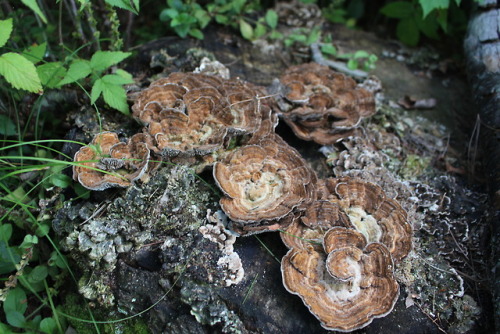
[[264, 184], [320, 104], [107, 162], [371, 212], [346, 283], [190, 114]]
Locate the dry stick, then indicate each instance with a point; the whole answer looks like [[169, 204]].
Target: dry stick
[[317, 56]]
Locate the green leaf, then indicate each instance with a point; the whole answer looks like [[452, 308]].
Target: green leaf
[[361, 54], [81, 191], [124, 74], [352, 64], [260, 30], [5, 31], [136, 5], [29, 241], [8, 258], [329, 49], [246, 30], [48, 325], [196, 33], [60, 180], [101, 60], [168, 14], [38, 274], [407, 31], [35, 53], [115, 79], [313, 36], [123, 4], [78, 69], [271, 18], [116, 97], [5, 231], [42, 230], [96, 91], [429, 5], [7, 126], [15, 319], [20, 72], [33, 5], [15, 301], [398, 9], [428, 26], [51, 74]]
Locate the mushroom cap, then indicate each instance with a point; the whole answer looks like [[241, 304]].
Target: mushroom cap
[[346, 284], [264, 182], [315, 221], [107, 162], [371, 212], [326, 105], [192, 114]]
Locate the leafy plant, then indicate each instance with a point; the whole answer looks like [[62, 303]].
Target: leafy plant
[[110, 86], [16, 69], [424, 17]]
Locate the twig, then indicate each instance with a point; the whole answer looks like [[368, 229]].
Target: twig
[[317, 56]]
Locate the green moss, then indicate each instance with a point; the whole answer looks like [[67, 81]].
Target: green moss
[[76, 307]]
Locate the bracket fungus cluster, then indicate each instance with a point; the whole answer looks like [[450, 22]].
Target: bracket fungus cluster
[[322, 105], [342, 251], [265, 184], [107, 162], [343, 234]]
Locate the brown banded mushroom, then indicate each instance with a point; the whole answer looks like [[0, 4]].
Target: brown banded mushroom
[[264, 184], [345, 284], [322, 105], [191, 114], [107, 162], [371, 212]]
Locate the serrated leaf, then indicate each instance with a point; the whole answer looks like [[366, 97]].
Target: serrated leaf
[[5, 232], [398, 9], [51, 74], [116, 97], [246, 30], [124, 74], [15, 319], [78, 69], [136, 5], [15, 301], [101, 60], [35, 53], [96, 91], [429, 5], [7, 126], [20, 72], [48, 325], [115, 79], [271, 18], [407, 31], [5, 31], [123, 4], [33, 5]]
